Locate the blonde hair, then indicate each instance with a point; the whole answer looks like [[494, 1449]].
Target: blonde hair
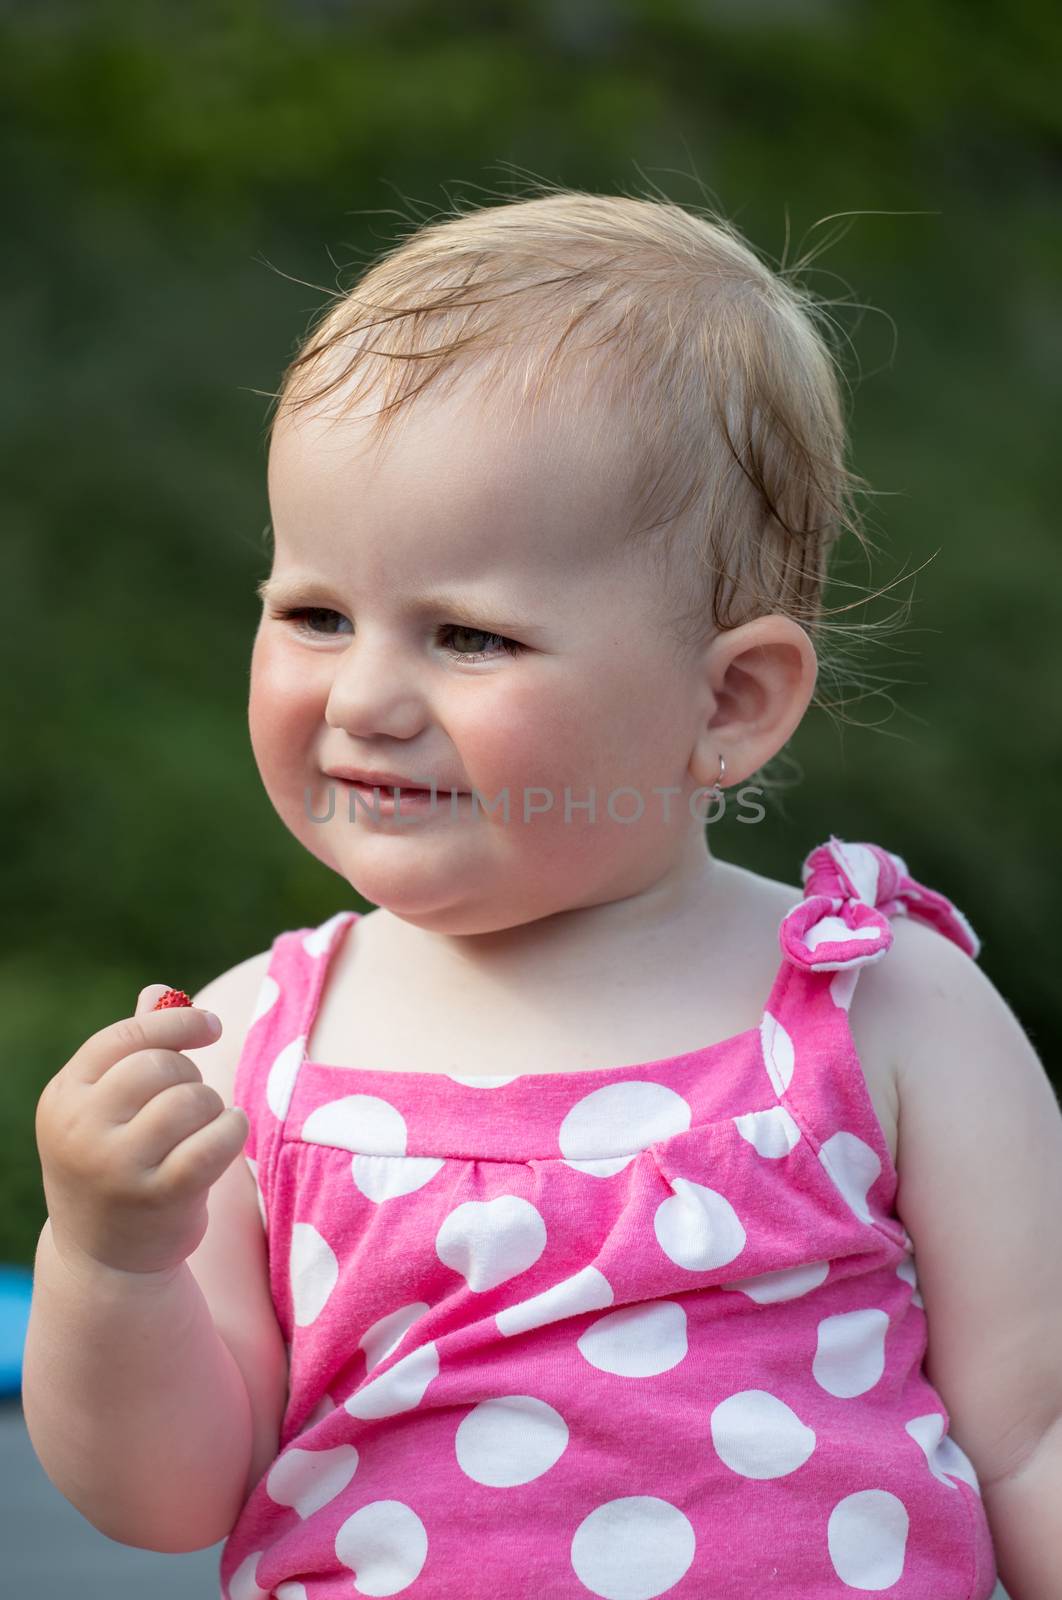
[[634, 313]]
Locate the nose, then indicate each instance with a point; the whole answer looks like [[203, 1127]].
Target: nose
[[374, 692]]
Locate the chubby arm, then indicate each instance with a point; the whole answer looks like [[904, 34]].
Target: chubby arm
[[1025, 1514], [134, 1404], [980, 1193], [152, 1396]]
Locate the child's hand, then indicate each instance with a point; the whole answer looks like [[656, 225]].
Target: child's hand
[[131, 1139]]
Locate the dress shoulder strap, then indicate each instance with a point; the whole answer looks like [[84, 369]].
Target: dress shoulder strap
[[841, 925], [274, 1045], [850, 893]]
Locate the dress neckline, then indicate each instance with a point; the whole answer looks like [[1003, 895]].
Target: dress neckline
[[571, 1076]]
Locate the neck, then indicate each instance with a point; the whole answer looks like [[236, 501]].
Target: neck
[[587, 939]]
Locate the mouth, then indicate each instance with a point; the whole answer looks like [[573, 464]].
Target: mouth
[[386, 791], [378, 798], [385, 783]]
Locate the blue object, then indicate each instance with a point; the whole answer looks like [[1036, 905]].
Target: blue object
[[16, 1289]]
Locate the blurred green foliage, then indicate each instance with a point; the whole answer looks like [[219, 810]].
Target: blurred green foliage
[[173, 180]]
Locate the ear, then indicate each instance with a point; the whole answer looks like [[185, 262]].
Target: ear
[[758, 682]]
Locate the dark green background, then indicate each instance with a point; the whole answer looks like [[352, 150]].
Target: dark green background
[[169, 173]]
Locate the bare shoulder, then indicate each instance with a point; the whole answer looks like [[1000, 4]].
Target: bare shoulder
[[980, 1192], [907, 996]]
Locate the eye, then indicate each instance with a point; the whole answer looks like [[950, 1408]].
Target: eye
[[458, 629], [306, 621], [309, 611]]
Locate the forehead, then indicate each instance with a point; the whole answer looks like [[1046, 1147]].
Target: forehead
[[460, 481]]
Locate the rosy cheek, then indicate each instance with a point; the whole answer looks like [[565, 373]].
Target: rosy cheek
[[278, 695], [534, 745], [519, 736], [278, 675]]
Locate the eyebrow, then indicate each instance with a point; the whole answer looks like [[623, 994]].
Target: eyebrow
[[295, 592]]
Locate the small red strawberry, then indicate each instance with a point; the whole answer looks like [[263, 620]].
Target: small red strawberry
[[172, 997]]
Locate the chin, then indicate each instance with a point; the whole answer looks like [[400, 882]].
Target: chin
[[408, 894], [439, 913]]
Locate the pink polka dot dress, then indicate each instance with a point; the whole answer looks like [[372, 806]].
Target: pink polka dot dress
[[626, 1332]]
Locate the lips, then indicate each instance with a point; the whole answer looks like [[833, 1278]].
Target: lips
[[406, 788], [385, 780], [369, 780]]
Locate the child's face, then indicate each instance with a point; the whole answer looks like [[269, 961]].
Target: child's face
[[519, 529]]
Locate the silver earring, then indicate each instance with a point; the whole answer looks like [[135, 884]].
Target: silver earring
[[717, 786]]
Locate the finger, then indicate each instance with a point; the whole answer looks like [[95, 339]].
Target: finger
[[166, 1119], [131, 1083], [180, 1028], [198, 1160]]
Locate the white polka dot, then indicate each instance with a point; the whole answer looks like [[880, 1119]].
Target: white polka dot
[[854, 1168], [850, 960], [290, 1591], [833, 930], [399, 1389], [850, 1352], [385, 1545], [778, 1054], [587, 1290], [242, 1585], [621, 1118], [634, 1548], [381, 1178], [842, 986], [306, 1480], [786, 1284], [268, 995], [318, 941], [364, 1123], [510, 1440], [771, 1133], [975, 942], [481, 1080], [758, 1436], [867, 1539], [313, 1270], [281, 1077], [945, 1458], [637, 1341], [861, 867], [490, 1241], [697, 1228], [253, 1164], [324, 1407], [908, 1272], [387, 1333], [603, 1169], [374, 1128]]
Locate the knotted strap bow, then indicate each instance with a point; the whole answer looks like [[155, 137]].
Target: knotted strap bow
[[850, 892]]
